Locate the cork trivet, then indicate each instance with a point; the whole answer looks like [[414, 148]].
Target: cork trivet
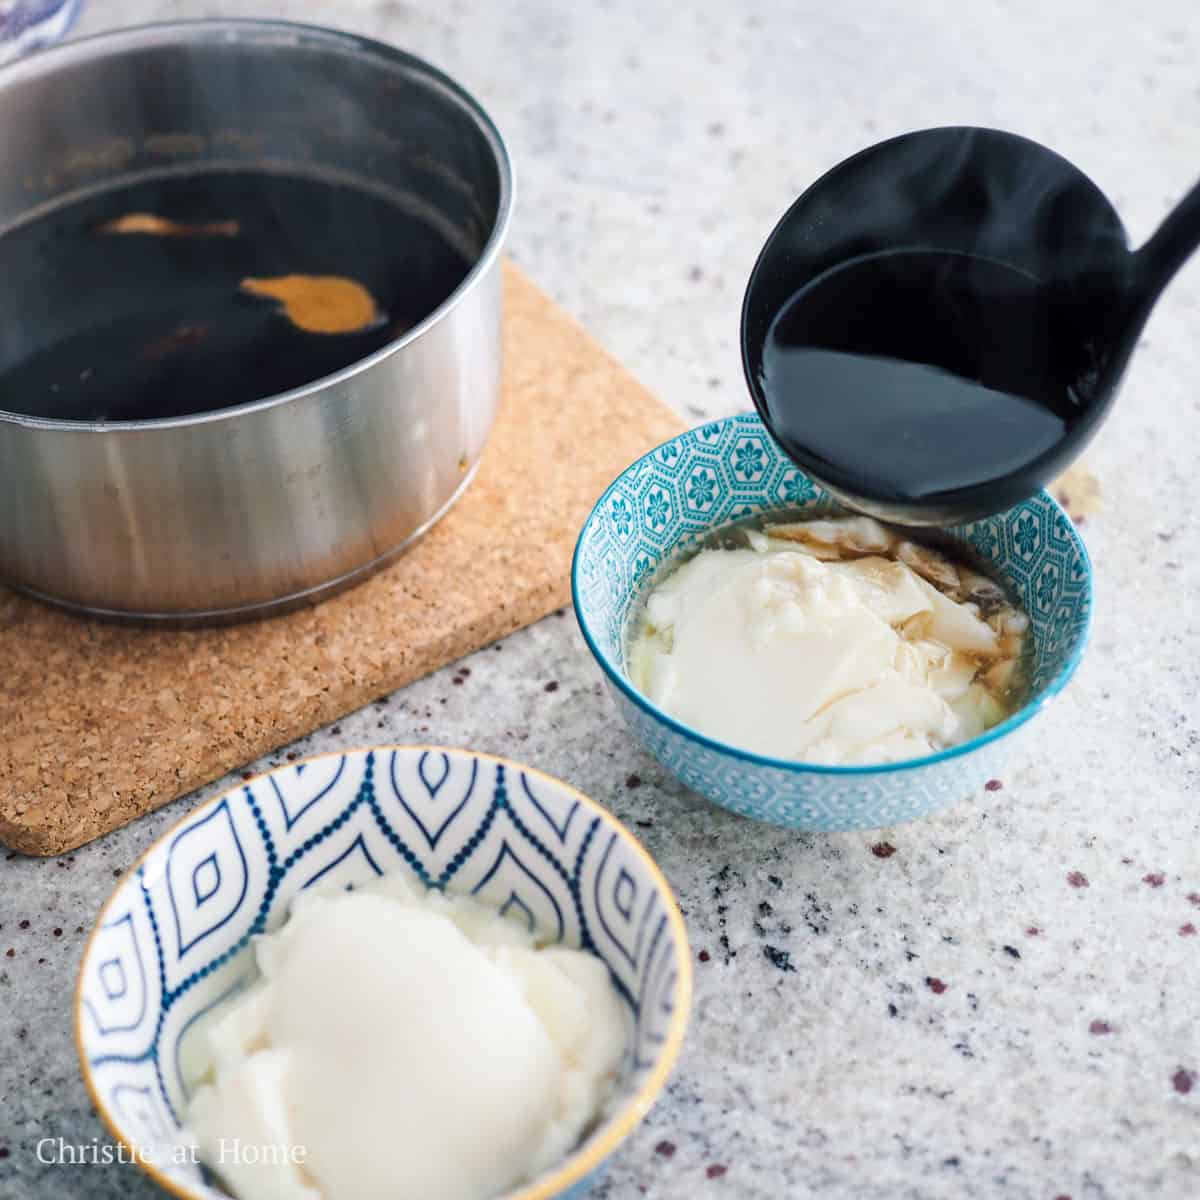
[[100, 724]]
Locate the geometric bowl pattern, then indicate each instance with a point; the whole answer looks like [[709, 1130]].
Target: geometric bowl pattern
[[172, 940], [673, 497]]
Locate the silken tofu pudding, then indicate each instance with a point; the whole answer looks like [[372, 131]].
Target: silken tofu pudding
[[830, 641], [403, 1043]]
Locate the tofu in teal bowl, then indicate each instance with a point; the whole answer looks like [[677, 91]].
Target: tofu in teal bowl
[[668, 503]]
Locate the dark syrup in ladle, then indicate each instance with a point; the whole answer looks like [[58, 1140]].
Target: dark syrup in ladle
[[934, 370]]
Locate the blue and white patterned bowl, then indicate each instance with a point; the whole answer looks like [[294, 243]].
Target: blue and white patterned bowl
[[28, 25], [727, 470], [170, 942]]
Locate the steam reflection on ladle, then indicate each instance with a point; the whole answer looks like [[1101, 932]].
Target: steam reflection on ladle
[[938, 325]]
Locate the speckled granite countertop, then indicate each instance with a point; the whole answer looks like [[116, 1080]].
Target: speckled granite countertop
[[1000, 1002]]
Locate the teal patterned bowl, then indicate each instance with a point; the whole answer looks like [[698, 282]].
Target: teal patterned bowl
[[727, 470], [170, 942]]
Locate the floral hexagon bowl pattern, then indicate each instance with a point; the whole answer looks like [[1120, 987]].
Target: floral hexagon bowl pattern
[[673, 497], [172, 940]]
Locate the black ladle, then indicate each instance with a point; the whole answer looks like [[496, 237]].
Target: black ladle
[[939, 324]]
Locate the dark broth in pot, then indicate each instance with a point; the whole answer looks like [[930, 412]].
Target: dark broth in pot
[[181, 295]]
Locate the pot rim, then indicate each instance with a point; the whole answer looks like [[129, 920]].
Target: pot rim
[[224, 30]]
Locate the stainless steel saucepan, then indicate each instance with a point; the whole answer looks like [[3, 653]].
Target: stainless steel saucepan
[[247, 510]]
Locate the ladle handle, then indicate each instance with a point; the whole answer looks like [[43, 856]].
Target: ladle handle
[[1169, 247]]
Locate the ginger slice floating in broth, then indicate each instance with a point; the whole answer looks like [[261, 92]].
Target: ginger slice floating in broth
[[319, 303], [148, 223]]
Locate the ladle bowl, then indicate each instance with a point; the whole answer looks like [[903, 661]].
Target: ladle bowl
[[993, 196]]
